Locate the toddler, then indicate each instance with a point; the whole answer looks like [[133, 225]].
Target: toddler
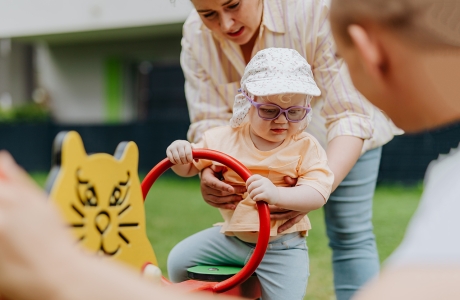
[[266, 134]]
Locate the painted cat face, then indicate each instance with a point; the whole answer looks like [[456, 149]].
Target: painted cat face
[[100, 197]]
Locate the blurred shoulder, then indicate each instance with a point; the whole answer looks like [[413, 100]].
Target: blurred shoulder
[[193, 24]]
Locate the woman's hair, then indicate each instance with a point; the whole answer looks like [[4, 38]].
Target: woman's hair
[[431, 22]]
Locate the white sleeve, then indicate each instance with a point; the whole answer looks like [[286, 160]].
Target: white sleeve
[[433, 235]]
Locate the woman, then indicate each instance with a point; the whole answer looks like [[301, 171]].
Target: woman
[[219, 38]]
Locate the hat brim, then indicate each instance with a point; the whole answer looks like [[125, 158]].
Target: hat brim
[[276, 86]]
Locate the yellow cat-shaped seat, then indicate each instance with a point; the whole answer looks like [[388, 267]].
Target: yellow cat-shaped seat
[[100, 197]]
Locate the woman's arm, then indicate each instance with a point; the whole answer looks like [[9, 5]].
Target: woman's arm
[[342, 154]]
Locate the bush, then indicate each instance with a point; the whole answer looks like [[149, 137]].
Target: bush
[[30, 112]]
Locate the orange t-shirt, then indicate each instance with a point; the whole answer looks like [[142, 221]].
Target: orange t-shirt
[[299, 156]]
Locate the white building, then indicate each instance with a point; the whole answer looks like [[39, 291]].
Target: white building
[[95, 61]]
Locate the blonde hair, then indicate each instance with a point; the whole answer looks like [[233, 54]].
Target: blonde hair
[[287, 98], [431, 22]]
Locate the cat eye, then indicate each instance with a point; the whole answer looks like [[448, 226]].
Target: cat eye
[[120, 192], [115, 198], [87, 193]]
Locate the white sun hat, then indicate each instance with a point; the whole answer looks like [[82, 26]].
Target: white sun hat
[[273, 71]]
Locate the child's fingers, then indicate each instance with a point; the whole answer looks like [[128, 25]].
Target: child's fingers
[[252, 179], [182, 155], [260, 195], [179, 152], [172, 155], [253, 191], [177, 156], [253, 184], [188, 154]]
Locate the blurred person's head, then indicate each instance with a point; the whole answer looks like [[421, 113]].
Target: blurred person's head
[[236, 20], [404, 56]]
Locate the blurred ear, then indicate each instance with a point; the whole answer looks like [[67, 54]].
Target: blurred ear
[[369, 50]]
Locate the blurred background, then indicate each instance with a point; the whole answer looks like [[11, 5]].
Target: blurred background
[[110, 70]]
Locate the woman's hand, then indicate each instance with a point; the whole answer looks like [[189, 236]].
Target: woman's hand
[[262, 189], [217, 193], [180, 152]]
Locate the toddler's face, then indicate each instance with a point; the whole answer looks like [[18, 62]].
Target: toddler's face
[[277, 130]]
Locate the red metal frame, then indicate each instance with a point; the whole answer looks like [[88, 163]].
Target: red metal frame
[[264, 215]]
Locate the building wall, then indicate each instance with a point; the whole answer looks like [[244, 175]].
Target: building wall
[[83, 52], [16, 72], [26, 18], [76, 77]]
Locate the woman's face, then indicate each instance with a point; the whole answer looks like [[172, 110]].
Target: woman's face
[[236, 20]]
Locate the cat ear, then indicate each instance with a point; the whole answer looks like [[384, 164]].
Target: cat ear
[[128, 154], [68, 151]]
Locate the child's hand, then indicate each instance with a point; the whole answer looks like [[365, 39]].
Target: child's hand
[[180, 152], [262, 189]]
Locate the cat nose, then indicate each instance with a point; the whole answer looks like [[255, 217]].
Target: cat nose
[[102, 221]]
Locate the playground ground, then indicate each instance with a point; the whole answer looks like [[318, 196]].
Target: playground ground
[[175, 210]]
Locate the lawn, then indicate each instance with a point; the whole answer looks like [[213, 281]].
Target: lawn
[[175, 210]]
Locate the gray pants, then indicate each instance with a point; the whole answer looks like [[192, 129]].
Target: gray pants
[[283, 272], [348, 216]]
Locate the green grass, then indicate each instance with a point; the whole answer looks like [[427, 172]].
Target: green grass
[[175, 210]]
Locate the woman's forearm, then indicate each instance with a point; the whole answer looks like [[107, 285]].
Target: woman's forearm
[[342, 154]]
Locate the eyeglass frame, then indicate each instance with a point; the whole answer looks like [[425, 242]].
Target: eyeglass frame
[[281, 110]]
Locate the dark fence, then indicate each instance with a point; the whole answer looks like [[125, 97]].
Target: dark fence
[[31, 144], [404, 159]]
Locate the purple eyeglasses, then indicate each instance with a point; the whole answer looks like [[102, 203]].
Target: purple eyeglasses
[[272, 111]]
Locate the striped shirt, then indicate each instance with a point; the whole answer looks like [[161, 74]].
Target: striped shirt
[[213, 67]]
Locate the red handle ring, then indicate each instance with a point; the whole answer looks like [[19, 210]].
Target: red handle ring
[[264, 214]]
